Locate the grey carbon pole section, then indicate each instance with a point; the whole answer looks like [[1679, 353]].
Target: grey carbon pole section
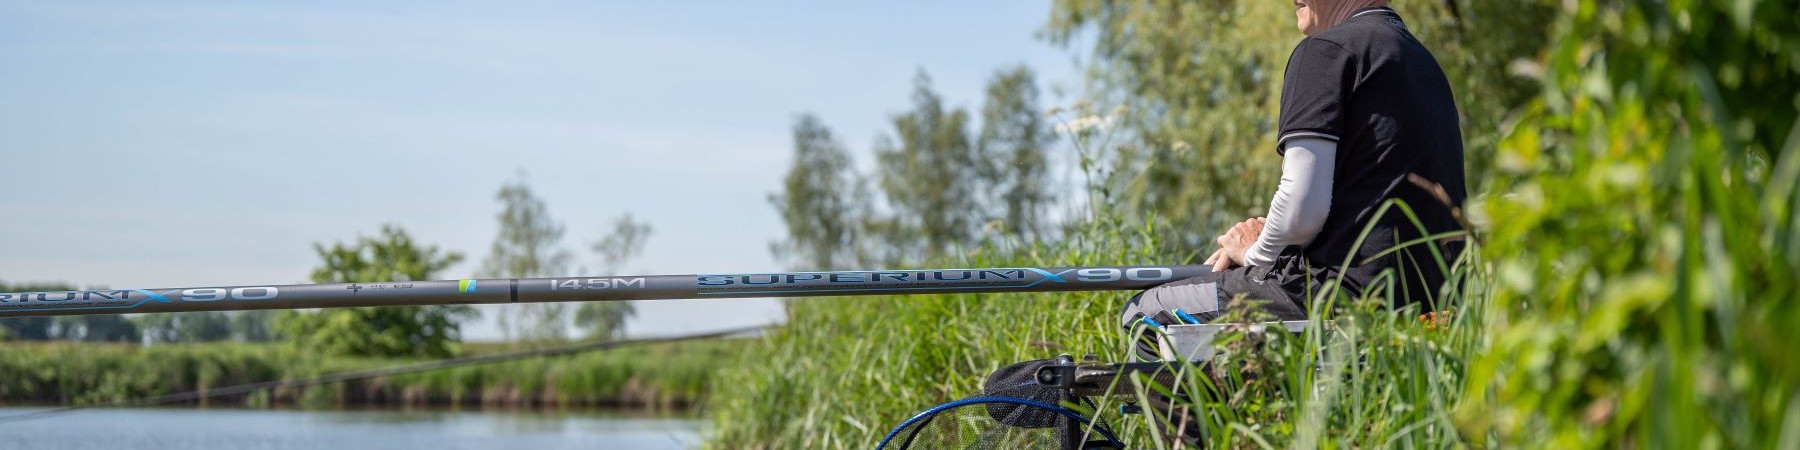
[[588, 289]]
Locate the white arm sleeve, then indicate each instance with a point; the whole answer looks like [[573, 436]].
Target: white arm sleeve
[[1301, 201]]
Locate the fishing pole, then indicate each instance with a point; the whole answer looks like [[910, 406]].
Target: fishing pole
[[588, 289]]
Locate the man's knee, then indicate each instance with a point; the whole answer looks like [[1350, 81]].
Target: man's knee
[[1132, 312], [1198, 297]]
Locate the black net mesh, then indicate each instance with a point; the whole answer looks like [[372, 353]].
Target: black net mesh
[[1020, 381], [1014, 412]]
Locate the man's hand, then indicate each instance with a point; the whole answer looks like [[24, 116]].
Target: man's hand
[[1234, 243]]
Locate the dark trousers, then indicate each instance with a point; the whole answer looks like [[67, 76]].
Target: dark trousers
[[1205, 296]]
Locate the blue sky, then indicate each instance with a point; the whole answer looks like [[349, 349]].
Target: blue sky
[[180, 143]]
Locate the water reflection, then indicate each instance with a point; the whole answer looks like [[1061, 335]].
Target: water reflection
[[175, 428]]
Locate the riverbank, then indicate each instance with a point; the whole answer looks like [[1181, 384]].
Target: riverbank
[[662, 376]]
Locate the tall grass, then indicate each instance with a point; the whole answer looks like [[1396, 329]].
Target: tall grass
[[844, 371]]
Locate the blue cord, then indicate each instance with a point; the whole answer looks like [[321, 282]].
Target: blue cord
[[1188, 317], [1153, 323]]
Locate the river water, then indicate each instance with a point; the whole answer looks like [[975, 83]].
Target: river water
[[194, 428]]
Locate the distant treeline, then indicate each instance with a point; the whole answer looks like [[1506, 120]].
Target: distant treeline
[[654, 376]]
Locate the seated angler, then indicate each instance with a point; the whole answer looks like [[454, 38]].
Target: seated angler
[[1367, 118]]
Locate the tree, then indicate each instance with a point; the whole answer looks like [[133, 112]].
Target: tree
[[822, 200], [385, 331], [942, 188], [625, 241], [929, 172], [528, 245], [1014, 136], [1200, 76], [606, 320]]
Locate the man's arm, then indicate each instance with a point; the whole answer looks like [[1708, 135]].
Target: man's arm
[[1302, 200]]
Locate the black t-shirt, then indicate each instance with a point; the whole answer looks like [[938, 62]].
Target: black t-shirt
[[1372, 87]]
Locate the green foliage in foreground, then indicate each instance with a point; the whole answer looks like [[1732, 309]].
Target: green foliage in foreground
[[656, 376], [1636, 288], [1647, 235]]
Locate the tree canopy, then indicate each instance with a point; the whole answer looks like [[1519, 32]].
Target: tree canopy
[[381, 331]]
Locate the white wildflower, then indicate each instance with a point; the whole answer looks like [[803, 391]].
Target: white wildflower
[[1083, 124]]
